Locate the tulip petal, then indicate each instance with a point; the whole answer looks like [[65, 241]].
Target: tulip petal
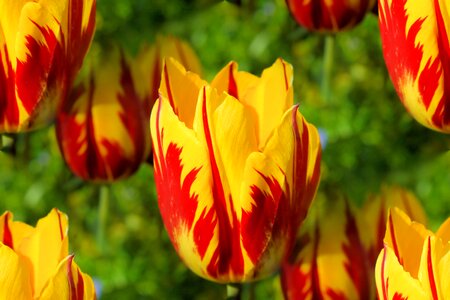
[[416, 50], [432, 253], [12, 233], [46, 247], [69, 283], [181, 89], [235, 83], [393, 282], [444, 231], [184, 188], [14, 276], [405, 238]]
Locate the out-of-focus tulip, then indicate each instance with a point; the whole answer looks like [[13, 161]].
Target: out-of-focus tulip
[[35, 262], [416, 50], [415, 263], [42, 46], [329, 16], [151, 59], [103, 128], [376, 210], [331, 261], [236, 168]]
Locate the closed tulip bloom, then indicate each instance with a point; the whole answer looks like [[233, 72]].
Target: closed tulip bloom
[[415, 263], [35, 262], [42, 46], [236, 168], [330, 262], [416, 50], [151, 59], [376, 211], [331, 15], [103, 130]]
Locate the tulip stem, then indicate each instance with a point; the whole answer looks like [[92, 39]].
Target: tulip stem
[[328, 56], [103, 207], [234, 291]]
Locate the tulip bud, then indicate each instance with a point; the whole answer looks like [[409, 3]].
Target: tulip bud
[[329, 16], [42, 46], [35, 261], [236, 168], [330, 261], [103, 128], [376, 210], [416, 50]]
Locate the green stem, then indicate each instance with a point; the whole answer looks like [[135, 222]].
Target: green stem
[[103, 208], [234, 291], [328, 56]]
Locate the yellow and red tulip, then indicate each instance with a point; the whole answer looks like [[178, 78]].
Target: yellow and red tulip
[[415, 263], [416, 50], [42, 46], [151, 60], [35, 261], [329, 15], [331, 261], [375, 212], [236, 168], [103, 128]]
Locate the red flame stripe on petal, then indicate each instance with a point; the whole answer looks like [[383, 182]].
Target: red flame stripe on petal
[[430, 272], [7, 235]]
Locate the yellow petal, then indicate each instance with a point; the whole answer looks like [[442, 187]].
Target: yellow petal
[[405, 238], [15, 276], [444, 231], [12, 233], [181, 88], [271, 97], [68, 282], [46, 247], [433, 251], [393, 282]]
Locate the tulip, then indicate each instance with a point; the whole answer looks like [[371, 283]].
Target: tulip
[[103, 128], [35, 263], [42, 46], [329, 16], [416, 50], [151, 60], [331, 262], [375, 212], [236, 168], [415, 263]]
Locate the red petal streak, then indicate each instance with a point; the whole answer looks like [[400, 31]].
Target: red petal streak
[[32, 74], [76, 289], [431, 272], [356, 264], [232, 85], [384, 281], [169, 90], [441, 117], [9, 110], [394, 240], [257, 224], [7, 239], [228, 256]]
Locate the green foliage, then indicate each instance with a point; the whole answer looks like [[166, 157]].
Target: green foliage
[[371, 140]]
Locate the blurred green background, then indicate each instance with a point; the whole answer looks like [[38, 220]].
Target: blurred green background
[[369, 139]]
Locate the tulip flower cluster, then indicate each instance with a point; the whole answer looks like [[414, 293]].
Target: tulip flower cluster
[[236, 168], [42, 46], [35, 261]]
